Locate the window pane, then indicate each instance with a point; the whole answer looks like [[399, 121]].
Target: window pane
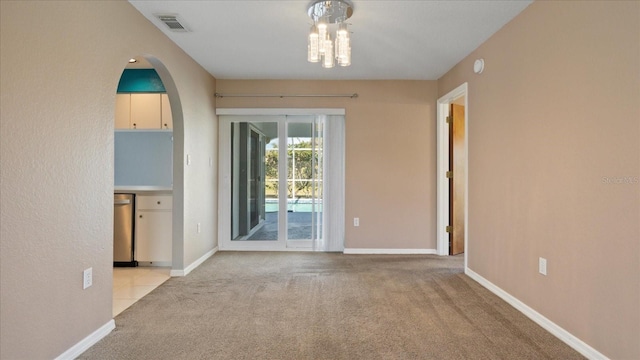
[[254, 181]]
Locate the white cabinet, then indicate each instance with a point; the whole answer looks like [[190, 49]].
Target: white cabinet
[[143, 111], [153, 229], [146, 111], [123, 111], [167, 118], [155, 202]]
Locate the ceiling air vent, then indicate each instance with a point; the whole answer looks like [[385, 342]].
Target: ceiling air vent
[[173, 23]]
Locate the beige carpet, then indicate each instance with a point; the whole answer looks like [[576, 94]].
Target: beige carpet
[[325, 306]]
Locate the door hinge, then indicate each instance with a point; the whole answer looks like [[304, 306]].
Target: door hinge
[[448, 119], [449, 229], [449, 174]]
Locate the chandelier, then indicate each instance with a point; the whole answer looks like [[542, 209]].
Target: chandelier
[[320, 47]]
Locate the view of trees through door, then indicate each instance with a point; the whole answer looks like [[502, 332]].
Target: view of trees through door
[[277, 192]]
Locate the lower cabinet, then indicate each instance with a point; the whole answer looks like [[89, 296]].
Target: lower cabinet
[[153, 229]]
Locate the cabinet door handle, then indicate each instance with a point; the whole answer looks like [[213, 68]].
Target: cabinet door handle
[[134, 125], [140, 216], [158, 202]]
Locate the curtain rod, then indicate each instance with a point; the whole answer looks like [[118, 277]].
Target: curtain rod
[[219, 95]]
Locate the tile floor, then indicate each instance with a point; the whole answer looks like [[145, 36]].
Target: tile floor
[[131, 284]]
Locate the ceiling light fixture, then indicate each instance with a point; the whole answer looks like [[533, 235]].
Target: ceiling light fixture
[[320, 47]]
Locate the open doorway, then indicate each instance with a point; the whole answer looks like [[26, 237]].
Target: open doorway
[[147, 112], [452, 182], [456, 175]]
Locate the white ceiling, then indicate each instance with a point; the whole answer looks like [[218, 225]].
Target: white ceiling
[[267, 39]]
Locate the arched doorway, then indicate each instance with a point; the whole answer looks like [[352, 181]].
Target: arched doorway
[[148, 147]]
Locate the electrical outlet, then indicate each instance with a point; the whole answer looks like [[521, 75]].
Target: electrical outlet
[[198, 228], [188, 159], [87, 278], [542, 266], [356, 221]]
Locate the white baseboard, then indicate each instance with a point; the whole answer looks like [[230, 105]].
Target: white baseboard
[[562, 334], [195, 264], [390, 251], [77, 349]]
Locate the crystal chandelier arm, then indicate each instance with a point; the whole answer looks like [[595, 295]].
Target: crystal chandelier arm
[[313, 51]]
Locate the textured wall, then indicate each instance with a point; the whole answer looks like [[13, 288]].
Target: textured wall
[[58, 87], [390, 153], [554, 163]]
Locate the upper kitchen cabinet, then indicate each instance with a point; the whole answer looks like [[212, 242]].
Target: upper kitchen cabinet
[[142, 102], [146, 111], [143, 111], [123, 111], [167, 118]]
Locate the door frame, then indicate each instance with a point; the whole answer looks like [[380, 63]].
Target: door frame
[[442, 211], [225, 168], [224, 204]]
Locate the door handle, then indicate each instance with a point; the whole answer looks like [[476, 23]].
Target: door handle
[[121, 202]]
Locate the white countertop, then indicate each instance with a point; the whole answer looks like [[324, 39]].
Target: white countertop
[[139, 189]]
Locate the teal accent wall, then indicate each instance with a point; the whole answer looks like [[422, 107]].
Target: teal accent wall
[[140, 80]]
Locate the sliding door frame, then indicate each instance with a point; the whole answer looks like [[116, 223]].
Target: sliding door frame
[[224, 198]]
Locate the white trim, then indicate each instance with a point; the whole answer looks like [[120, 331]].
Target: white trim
[[194, 264], [562, 334], [442, 198], [390, 251], [293, 249], [84, 344], [275, 111], [300, 244]]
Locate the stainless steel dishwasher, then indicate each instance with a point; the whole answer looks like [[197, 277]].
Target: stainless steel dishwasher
[[123, 222]]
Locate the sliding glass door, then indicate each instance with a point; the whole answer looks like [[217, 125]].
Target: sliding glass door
[[248, 146], [272, 182], [304, 181]]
